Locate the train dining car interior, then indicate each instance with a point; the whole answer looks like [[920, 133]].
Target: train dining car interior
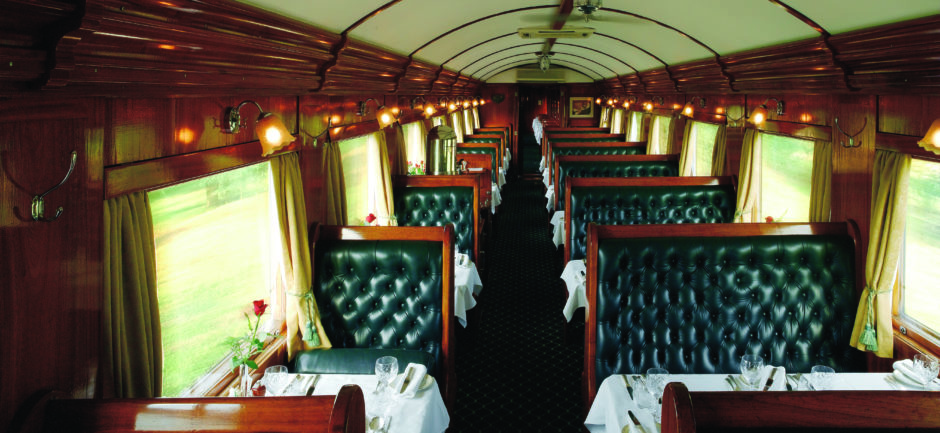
[[469, 216]]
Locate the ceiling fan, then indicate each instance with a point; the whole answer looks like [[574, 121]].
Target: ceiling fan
[[588, 7]]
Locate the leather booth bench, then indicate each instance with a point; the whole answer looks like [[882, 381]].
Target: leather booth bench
[[610, 166], [551, 138], [810, 411], [491, 149], [344, 412], [694, 298], [435, 201], [384, 291], [567, 148], [643, 200]]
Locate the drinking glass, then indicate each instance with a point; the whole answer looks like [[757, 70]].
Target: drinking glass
[[644, 396], [821, 377], [926, 368], [386, 368], [275, 379], [751, 366], [655, 383]]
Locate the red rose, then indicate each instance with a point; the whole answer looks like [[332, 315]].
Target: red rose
[[258, 391], [260, 306], [769, 219], [370, 218]]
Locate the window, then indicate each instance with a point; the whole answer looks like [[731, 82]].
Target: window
[[919, 274], [786, 177], [659, 139], [415, 137], [216, 241], [356, 176], [635, 128], [616, 121], [702, 145]]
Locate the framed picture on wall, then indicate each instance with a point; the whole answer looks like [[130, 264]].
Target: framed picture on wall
[[580, 106]]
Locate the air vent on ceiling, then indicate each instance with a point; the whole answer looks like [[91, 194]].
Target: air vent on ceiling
[[548, 32], [537, 76]]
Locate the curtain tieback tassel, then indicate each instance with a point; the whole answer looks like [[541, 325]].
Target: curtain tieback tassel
[[869, 336]]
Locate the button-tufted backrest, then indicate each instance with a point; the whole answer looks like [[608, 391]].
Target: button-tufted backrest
[[437, 206], [381, 294], [569, 166], [697, 304], [598, 148], [482, 150], [678, 202]]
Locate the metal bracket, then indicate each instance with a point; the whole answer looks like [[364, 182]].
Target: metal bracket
[[852, 143], [39, 206]]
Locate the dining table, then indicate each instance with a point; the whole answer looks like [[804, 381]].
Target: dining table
[[575, 277], [609, 412], [558, 228], [425, 412], [467, 284]]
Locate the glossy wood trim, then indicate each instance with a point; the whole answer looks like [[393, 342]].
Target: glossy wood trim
[[444, 235], [712, 118], [690, 412], [792, 129], [460, 180], [903, 144], [344, 412], [158, 173], [370, 15], [551, 155]]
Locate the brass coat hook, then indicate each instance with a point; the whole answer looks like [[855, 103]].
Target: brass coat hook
[[851, 136], [39, 206]]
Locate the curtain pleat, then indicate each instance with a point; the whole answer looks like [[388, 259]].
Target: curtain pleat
[[873, 330], [132, 355], [334, 185], [821, 181], [476, 118], [671, 136], [304, 331], [686, 156], [395, 138], [719, 161], [380, 189], [749, 179]]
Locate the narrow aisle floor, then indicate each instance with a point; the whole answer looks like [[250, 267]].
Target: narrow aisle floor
[[519, 375]]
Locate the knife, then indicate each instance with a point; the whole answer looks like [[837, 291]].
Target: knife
[[404, 383], [770, 380], [636, 422], [629, 388], [730, 380]]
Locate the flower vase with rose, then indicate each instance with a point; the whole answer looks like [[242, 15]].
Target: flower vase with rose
[[244, 348]]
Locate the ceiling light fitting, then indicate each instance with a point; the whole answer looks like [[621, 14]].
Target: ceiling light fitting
[[270, 129], [588, 7]]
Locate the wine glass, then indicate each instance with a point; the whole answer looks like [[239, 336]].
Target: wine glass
[[926, 368], [751, 366], [275, 379], [655, 383], [386, 368]]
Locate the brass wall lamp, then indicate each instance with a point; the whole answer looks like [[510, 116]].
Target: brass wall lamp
[[271, 131]]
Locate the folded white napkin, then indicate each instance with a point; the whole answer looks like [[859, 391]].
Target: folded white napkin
[[414, 374], [779, 383], [462, 260], [905, 376]]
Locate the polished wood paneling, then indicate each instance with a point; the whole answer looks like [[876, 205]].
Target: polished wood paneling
[[50, 273], [851, 167]]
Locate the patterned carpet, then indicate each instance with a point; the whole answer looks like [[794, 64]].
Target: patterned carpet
[[516, 373]]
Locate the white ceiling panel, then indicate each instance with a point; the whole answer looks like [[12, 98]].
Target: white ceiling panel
[[631, 55], [580, 67], [528, 51], [490, 51], [509, 76], [664, 43], [410, 24], [843, 16], [455, 42], [328, 15], [618, 64]]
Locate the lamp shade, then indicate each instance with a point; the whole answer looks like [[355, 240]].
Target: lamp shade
[[385, 117], [759, 115], [931, 140], [429, 110], [272, 133], [688, 110]]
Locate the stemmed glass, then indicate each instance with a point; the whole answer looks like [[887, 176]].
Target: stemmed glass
[[751, 366], [386, 368], [926, 369], [655, 384]]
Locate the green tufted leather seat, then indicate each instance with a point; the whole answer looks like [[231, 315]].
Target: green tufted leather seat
[[485, 151], [611, 169], [622, 205], [697, 304], [437, 206]]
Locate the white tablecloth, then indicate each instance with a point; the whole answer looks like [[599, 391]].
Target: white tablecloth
[[542, 164], [608, 414], [574, 277], [501, 179], [466, 284], [424, 413], [546, 179], [495, 198], [537, 130], [550, 196], [558, 232]]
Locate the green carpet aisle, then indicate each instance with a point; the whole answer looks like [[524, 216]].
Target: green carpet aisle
[[520, 376]]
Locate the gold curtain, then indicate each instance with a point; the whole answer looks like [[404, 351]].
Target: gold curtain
[[476, 118], [394, 134], [304, 331], [686, 160], [671, 136], [749, 179], [380, 186], [334, 185], [821, 181], [872, 330], [605, 117], [719, 160], [131, 362]]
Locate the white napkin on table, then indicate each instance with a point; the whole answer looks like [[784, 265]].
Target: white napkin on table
[[417, 373], [905, 376], [780, 379]]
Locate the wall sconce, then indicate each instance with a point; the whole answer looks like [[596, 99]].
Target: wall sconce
[[688, 110], [466, 103], [931, 140], [476, 102], [442, 101], [384, 115], [271, 131], [759, 115], [600, 99], [415, 105]]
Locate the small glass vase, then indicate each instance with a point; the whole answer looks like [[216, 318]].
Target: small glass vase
[[244, 381]]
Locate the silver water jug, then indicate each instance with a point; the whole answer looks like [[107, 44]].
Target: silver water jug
[[441, 150]]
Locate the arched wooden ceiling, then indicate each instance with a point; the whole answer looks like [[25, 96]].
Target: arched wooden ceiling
[[478, 38]]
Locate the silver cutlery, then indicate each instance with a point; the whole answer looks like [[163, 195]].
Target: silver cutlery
[[730, 380], [626, 382], [770, 380], [636, 422]]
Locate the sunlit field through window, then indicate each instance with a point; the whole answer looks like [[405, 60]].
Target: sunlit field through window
[[703, 137], [786, 178], [213, 240], [920, 274]]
